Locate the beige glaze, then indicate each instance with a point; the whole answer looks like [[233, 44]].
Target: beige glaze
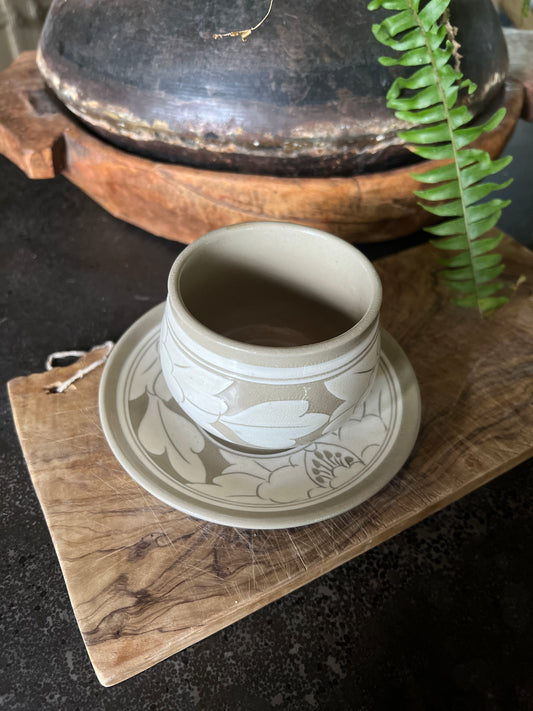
[[271, 333]]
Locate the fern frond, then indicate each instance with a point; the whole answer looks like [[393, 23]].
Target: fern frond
[[429, 98]]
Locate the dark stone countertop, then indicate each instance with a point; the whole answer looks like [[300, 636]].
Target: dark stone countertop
[[438, 618]]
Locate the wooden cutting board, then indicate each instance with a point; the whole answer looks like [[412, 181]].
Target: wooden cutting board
[[146, 581]]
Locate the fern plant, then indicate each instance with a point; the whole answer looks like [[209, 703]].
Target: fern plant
[[430, 98]]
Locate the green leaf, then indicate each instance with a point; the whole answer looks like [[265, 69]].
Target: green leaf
[[433, 12], [443, 152], [485, 210], [449, 190], [485, 261], [489, 306], [481, 190], [389, 4], [450, 227], [458, 116], [413, 58], [424, 99], [489, 274], [394, 24], [480, 227], [486, 244], [457, 274], [436, 175], [490, 288], [479, 171], [469, 285], [452, 243], [464, 136], [459, 260], [443, 130], [469, 301], [454, 208], [414, 38], [462, 287], [427, 134]]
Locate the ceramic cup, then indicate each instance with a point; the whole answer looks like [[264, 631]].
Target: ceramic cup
[[270, 336]]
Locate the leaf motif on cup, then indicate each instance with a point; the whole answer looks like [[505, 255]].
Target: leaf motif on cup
[[254, 425], [335, 460], [160, 388], [163, 431], [349, 382], [200, 403], [357, 380]]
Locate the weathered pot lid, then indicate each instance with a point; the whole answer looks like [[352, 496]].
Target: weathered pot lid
[[304, 94]]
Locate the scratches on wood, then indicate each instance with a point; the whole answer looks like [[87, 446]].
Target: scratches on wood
[[146, 581]]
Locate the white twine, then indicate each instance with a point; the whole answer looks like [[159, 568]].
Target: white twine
[[81, 372]]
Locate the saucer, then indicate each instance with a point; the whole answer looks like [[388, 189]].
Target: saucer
[[185, 467]]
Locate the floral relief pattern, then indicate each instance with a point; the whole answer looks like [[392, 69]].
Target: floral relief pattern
[[161, 430], [208, 407], [167, 439], [205, 406], [310, 472], [251, 424], [293, 418], [346, 383]]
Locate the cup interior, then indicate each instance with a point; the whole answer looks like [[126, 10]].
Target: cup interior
[[275, 284]]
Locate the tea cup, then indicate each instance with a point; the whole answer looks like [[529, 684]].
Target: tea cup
[[270, 336]]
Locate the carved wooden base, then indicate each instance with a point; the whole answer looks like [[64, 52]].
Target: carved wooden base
[[182, 203]]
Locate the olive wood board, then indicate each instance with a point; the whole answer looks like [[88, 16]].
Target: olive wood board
[[146, 581], [181, 203]]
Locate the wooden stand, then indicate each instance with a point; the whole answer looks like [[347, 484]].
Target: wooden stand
[[181, 203]]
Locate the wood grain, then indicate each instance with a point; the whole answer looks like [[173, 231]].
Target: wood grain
[[182, 203], [146, 581]]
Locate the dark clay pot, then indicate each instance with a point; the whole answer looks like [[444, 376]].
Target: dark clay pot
[[304, 95]]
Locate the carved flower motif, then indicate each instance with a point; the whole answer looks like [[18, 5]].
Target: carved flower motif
[[202, 405], [330, 463], [337, 459]]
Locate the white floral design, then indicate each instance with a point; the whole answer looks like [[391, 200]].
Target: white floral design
[[202, 405], [161, 430], [148, 377], [254, 427], [216, 473], [199, 392], [353, 384], [330, 463]]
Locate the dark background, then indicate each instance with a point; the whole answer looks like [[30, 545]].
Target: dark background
[[438, 618]]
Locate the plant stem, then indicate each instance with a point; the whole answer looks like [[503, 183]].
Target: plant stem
[[455, 150]]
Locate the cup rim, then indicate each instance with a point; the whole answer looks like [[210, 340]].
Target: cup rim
[[178, 305]]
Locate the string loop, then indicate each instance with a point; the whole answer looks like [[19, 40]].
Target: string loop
[[81, 372]]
